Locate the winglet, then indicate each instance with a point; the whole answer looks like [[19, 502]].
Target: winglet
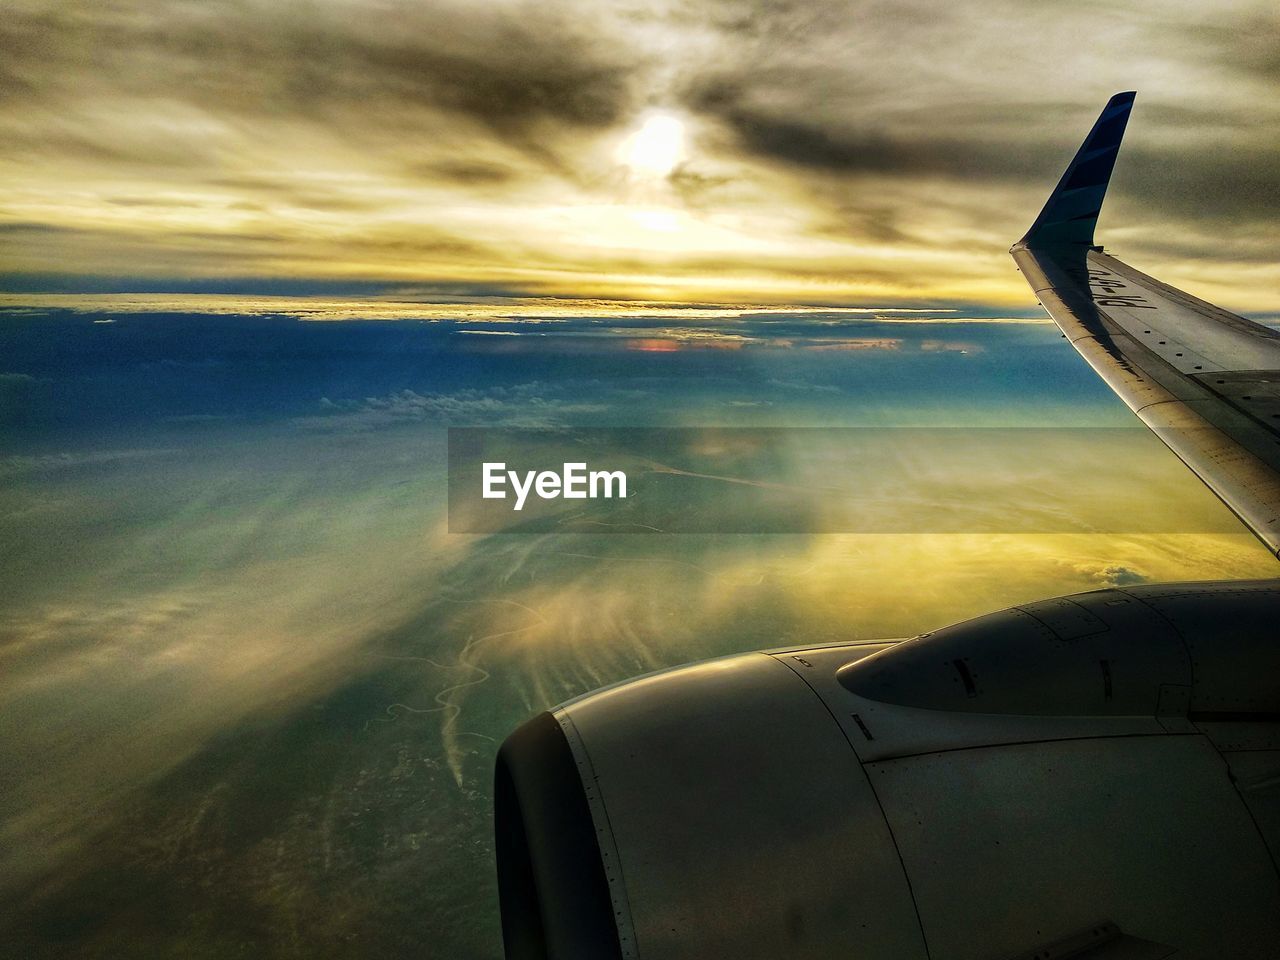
[[1071, 213]]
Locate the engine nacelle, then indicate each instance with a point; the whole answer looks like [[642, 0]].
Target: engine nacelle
[[1090, 773]]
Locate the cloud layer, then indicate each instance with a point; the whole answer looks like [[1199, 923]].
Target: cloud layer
[[836, 152]]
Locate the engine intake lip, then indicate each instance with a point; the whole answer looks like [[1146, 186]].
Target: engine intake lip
[[552, 887]]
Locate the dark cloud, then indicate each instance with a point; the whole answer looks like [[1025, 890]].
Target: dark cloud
[[27, 250], [1229, 180], [1241, 41], [505, 66], [467, 172], [873, 150], [19, 229], [151, 201], [1231, 176]]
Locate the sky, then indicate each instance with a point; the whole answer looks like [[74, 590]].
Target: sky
[[257, 257], [740, 151]]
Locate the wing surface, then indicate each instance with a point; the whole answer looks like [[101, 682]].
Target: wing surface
[[1206, 381]]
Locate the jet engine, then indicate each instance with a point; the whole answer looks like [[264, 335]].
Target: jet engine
[[1092, 776]]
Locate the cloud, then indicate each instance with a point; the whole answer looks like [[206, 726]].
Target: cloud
[[1112, 575], [525, 405], [16, 389], [781, 132], [506, 64], [15, 465], [837, 153]]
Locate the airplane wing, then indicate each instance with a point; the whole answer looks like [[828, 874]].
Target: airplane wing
[[1207, 382]]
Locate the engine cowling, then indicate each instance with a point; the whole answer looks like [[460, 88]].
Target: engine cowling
[[1098, 769]]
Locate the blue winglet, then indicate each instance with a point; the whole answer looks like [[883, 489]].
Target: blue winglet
[[1071, 213]]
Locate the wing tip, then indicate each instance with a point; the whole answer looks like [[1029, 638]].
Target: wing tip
[[1071, 212]]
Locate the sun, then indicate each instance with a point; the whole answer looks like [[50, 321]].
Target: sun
[[655, 147]]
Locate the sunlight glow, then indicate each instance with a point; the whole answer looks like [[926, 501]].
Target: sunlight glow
[[655, 147], [660, 221]]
